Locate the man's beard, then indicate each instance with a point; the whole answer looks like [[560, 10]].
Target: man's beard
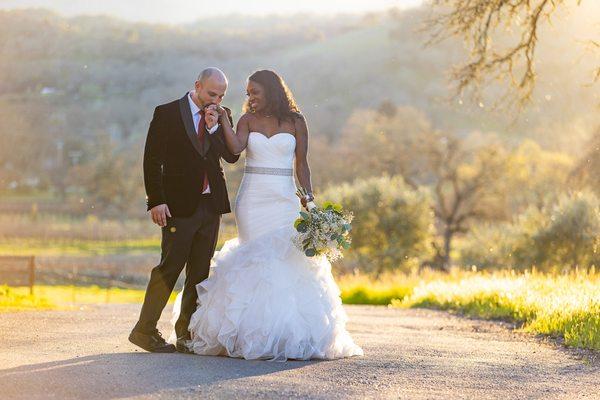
[[198, 100]]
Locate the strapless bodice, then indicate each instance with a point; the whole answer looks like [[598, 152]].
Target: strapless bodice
[[276, 151]]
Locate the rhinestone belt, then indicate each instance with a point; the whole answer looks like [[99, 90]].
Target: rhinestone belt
[[269, 171]]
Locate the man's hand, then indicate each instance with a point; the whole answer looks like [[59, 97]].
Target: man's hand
[[159, 214], [212, 115]]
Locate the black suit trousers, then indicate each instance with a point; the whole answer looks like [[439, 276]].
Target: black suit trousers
[[188, 242]]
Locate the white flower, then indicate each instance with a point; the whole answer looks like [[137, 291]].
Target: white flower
[[311, 205], [323, 231]]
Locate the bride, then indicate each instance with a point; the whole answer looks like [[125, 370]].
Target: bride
[[264, 299]]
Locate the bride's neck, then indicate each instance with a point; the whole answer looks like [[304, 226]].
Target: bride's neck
[[264, 114]]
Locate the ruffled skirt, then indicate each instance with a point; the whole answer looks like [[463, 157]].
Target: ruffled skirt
[[264, 299]]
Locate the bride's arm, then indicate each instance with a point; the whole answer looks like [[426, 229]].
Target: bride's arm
[[302, 168], [236, 143]]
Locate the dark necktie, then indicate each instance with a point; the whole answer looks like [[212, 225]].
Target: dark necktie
[[202, 138]]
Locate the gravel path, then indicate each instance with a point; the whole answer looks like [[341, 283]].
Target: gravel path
[[409, 354]]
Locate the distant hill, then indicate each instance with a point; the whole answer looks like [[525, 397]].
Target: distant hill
[[75, 79], [184, 11]]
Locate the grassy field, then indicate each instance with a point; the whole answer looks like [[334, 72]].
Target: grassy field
[[364, 289], [561, 306], [74, 247], [56, 235], [59, 297], [15, 299]]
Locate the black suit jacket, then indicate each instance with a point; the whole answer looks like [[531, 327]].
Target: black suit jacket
[[175, 161]]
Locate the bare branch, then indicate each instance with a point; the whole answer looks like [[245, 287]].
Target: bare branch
[[478, 22]]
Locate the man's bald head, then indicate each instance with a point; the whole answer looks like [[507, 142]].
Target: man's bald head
[[212, 73], [210, 86]]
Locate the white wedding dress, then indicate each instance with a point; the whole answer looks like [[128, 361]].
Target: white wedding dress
[[264, 299]]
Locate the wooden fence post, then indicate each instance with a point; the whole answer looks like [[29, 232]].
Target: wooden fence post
[[31, 274], [111, 280]]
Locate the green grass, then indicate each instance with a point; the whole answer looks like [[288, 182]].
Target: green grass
[[51, 297], [362, 289], [16, 299], [74, 247], [560, 306], [47, 234]]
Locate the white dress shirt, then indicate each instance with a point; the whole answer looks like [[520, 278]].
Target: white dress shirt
[[196, 117]]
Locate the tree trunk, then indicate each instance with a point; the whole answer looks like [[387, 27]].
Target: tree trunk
[[446, 261]]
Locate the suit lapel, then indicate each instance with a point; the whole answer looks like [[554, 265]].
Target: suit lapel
[[188, 122]]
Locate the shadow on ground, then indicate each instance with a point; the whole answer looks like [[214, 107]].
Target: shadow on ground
[[131, 374]]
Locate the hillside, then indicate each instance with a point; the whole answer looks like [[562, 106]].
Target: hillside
[[80, 79]]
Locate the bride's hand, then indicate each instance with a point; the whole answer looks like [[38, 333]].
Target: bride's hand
[[223, 115], [305, 200]]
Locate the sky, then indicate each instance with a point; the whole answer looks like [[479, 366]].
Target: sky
[[184, 11]]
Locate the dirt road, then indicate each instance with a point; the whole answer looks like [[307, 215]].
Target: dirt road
[[409, 354]]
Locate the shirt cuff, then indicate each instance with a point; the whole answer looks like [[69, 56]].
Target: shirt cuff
[[213, 129]]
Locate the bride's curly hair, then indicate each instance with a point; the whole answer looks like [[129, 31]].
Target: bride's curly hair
[[279, 98]]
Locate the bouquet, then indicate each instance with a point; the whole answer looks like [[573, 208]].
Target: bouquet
[[322, 230]]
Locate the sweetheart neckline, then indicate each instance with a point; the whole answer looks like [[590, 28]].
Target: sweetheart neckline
[[272, 136]]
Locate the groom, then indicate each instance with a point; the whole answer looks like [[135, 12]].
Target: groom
[[186, 195]]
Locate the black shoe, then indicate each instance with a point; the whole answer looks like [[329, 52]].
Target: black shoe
[[181, 346], [153, 343]]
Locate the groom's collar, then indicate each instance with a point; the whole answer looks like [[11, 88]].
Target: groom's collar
[[193, 106], [188, 121]]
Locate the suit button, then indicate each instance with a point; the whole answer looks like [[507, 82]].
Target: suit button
[[204, 158]]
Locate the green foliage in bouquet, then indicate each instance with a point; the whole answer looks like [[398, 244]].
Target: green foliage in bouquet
[[324, 230]]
